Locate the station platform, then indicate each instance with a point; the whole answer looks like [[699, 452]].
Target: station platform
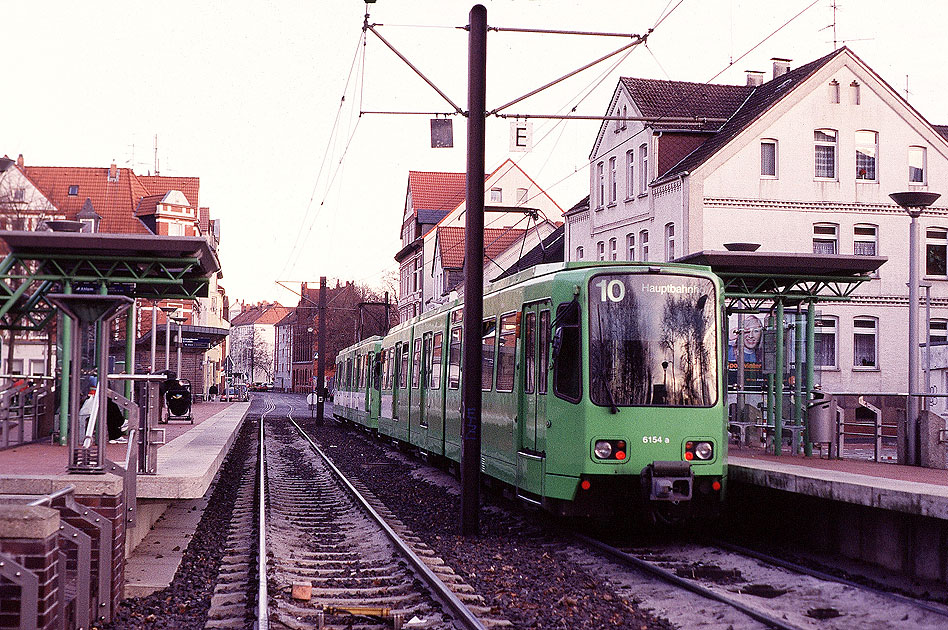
[[169, 504], [884, 514]]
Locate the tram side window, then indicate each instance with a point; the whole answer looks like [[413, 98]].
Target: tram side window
[[426, 362], [349, 374], [389, 361], [415, 364], [454, 359], [435, 380], [379, 363], [530, 351], [488, 337], [404, 373], [544, 339], [567, 366], [505, 352]]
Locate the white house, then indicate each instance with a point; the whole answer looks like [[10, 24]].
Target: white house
[[803, 162]]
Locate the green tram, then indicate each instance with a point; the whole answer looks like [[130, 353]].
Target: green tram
[[602, 387]]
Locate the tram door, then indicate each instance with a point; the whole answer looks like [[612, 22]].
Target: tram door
[[535, 327], [369, 361]]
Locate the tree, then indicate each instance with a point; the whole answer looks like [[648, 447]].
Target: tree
[[262, 358]]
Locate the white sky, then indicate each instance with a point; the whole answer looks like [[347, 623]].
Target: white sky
[[244, 95]]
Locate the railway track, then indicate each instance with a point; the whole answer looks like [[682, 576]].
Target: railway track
[[331, 560], [772, 592]]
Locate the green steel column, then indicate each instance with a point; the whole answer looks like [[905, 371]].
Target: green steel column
[[770, 399], [64, 362], [131, 317], [778, 381], [810, 363], [799, 340]]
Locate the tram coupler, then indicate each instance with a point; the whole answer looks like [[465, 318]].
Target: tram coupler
[[667, 481]]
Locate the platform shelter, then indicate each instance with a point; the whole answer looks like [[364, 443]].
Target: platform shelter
[[134, 265], [778, 282]]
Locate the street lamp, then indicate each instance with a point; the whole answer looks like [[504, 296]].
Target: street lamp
[[913, 202], [168, 310], [179, 319]]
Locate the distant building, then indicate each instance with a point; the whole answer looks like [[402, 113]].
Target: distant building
[[253, 339], [518, 215]]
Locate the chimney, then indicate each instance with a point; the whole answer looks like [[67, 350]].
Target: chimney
[[781, 66], [755, 77], [19, 160], [113, 171]]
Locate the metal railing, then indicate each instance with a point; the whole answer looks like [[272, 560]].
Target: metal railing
[[26, 409], [84, 583]]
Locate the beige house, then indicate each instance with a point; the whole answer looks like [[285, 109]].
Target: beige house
[[803, 162]]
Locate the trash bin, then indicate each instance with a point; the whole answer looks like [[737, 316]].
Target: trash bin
[[821, 419]]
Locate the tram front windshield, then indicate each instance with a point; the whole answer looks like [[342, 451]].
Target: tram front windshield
[[652, 341]]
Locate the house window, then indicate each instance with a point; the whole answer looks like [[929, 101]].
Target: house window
[[643, 245], [601, 250], [867, 150], [496, 195], [825, 238], [88, 225], [916, 164], [612, 249], [865, 342], [825, 153], [625, 114], [630, 246], [936, 252], [643, 168], [19, 193], [579, 253], [629, 174], [834, 91], [521, 196], [669, 242], [865, 240], [768, 158], [854, 89], [826, 342], [602, 185], [612, 180], [938, 331], [73, 190]]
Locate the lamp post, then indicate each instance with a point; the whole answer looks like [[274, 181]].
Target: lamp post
[[179, 319], [913, 202], [168, 310]]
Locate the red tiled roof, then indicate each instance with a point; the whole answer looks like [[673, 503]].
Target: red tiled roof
[[261, 314], [451, 244], [436, 191], [190, 186], [148, 205], [119, 202], [114, 201]]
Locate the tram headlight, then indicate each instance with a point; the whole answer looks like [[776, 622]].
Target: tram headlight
[[602, 449], [704, 451]]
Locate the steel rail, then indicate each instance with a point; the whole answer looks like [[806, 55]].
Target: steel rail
[[263, 596], [441, 591], [939, 609], [688, 585]]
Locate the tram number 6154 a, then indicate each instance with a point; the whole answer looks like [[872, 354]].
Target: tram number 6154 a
[[613, 290]]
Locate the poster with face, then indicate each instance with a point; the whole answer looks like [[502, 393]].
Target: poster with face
[[750, 348]]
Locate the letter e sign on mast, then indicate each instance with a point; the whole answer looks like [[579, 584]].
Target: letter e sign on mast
[[521, 136]]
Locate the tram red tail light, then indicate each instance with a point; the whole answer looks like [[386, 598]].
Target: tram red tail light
[[585, 485], [701, 451], [610, 450], [716, 486]]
